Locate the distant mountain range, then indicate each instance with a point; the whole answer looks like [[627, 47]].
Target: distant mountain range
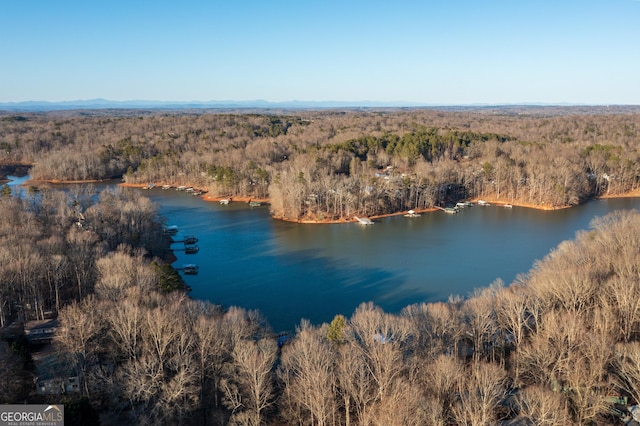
[[171, 105], [102, 106]]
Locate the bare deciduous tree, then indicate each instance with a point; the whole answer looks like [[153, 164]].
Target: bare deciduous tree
[[540, 406], [480, 394], [79, 335], [308, 368], [441, 379], [627, 368], [248, 386]]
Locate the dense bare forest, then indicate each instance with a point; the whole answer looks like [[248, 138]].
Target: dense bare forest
[[320, 165], [561, 345]]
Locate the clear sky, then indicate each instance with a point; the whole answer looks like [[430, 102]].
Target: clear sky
[[431, 52]]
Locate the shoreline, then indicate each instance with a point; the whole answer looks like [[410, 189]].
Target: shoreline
[[631, 194], [308, 221], [234, 199], [498, 202], [61, 182], [204, 196], [351, 220]]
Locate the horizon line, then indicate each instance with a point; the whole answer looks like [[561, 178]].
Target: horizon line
[[102, 103], [366, 101]]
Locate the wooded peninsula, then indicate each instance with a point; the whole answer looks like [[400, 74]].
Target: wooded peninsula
[[332, 165], [94, 318]]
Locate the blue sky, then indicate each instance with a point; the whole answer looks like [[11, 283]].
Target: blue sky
[[430, 52]]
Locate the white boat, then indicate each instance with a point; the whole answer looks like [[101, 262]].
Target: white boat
[[224, 201], [364, 220], [412, 213], [181, 188], [483, 203], [508, 206]]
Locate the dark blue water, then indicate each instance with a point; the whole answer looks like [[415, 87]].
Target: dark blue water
[[292, 271]]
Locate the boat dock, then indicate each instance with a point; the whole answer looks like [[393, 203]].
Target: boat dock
[[464, 204], [187, 240], [188, 249], [189, 269], [449, 210]]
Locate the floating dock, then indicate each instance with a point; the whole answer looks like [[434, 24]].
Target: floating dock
[[449, 210]]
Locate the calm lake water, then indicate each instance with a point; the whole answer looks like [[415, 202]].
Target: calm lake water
[[292, 271]]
